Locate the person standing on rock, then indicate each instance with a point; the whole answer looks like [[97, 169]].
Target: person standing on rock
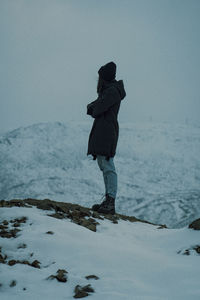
[[104, 134]]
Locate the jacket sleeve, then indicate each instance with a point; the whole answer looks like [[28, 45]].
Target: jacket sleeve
[[90, 107], [109, 97]]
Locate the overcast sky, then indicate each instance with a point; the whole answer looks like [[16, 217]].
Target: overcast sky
[[50, 52]]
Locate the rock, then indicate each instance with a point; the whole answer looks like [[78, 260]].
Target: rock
[[187, 252], [3, 227], [92, 277], [2, 259], [85, 212], [162, 226], [112, 218], [3, 203], [5, 234], [21, 220], [197, 248], [5, 222], [12, 262], [88, 288], [81, 292], [96, 215], [195, 224], [88, 224], [76, 213], [14, 232], [60, 276], [44, 205], [13, 283], [16, 202], [115, 222], [85, 223], [92, 227], [16, 224], [22, 246], [25, 262], [93, 221], [77, 220], [57, 216], [36, 264]]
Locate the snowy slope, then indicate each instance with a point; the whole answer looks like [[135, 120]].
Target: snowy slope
[[158, 168], [132, 260]]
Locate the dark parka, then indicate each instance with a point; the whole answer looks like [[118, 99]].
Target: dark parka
[[105, 130]]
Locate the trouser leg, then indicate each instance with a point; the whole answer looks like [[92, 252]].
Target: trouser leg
[[109, 175]]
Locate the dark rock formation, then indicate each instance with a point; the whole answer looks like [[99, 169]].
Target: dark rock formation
[[195, 224], [92, 277], [83, 291], [78, 214], [60, 276]]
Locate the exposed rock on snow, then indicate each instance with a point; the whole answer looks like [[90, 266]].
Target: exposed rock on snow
[[78, 214], [195, 224], [5, 232], [13, 283], [61, 275], [92, 277], [83, 291], [35, 263]]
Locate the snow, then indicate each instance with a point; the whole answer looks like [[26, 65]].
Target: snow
[[158, 168], [132, 260]]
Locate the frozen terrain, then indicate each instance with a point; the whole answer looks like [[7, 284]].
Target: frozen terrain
[[158, 168], [132, 260]]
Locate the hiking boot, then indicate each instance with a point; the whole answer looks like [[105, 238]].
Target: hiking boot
[[107, 206], [95, 207]]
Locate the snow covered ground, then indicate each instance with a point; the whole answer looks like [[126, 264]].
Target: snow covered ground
[[157, 163], [132, 260]]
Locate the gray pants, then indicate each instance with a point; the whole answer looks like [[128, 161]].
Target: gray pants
[[109, 175]]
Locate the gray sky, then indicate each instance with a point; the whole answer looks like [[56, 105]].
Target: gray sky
[[50, 52]]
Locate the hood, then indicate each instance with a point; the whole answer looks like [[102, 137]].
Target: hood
[[119, 85]]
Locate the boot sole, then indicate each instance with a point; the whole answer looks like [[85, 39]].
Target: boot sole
[[107, 212]]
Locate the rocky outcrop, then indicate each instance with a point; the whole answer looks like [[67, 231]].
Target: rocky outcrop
[[195, 224], [78, 214]]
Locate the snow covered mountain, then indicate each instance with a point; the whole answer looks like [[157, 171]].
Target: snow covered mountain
[[158, 168]]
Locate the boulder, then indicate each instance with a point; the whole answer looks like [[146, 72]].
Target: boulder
[[195, 224]]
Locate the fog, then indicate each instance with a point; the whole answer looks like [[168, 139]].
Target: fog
[[50, 53]]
